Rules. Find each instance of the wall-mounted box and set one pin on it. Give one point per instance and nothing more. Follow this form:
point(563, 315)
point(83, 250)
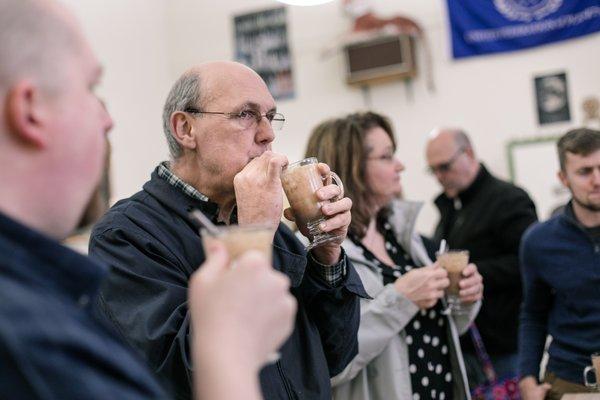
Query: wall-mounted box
point(380, 59)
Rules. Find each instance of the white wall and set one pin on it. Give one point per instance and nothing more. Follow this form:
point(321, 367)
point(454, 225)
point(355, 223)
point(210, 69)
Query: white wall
point(491, 97)
point(131, 40)
point(145, 45)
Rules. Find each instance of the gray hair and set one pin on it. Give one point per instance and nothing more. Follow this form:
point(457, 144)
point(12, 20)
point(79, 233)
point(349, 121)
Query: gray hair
point(34, 35)
point(185, 93)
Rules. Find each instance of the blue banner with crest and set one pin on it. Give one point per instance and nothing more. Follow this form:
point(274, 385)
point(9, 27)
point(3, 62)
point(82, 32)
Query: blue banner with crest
point(496, 26)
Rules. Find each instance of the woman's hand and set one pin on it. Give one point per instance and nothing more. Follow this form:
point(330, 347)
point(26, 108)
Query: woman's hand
point(471, 285)
point(423, 286)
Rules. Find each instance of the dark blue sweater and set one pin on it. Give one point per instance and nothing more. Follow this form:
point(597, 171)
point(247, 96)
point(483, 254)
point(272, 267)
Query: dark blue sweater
point(560, 264)
point(53, 345)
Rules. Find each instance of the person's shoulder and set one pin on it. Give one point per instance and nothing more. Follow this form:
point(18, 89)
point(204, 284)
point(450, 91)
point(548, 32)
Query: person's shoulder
point(506, 196)
point(540, 232)
point(46, 336)
point(507, 188)
point(131, 213)
point(140, 202)
point(34, 314)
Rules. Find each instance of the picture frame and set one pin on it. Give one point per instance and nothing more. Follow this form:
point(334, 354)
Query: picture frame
point(542, 184)
point(261, 43)
point(552, 98)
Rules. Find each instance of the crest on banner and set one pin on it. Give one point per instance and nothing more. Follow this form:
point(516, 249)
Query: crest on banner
point(527, 10)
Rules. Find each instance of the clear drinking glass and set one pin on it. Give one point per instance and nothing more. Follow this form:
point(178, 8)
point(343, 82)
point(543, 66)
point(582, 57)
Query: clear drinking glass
point(238, 240)
point(454, 262)
point(300, 182)
point(596, 368)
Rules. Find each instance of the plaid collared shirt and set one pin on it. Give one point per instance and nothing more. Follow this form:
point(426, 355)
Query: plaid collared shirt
point(332, 274)
point(165, 173)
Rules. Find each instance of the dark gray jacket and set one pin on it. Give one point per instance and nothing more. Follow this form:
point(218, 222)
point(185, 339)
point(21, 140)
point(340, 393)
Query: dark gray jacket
point(153, 248)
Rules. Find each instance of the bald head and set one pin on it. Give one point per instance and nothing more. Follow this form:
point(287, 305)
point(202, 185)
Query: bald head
point(202, 85)
point(52, 126)
point(451, 158)
point(454, 137)
point(36, 35)
point(222, 78)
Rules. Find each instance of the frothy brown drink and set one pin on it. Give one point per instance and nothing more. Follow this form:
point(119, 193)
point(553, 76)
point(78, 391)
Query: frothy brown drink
point(596, 364)
point(300, 184)
point(240, 239)
point(454, 262)
point(300, 181)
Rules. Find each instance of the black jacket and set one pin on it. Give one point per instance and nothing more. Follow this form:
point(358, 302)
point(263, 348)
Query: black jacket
point(153, 248)
point(489, 219)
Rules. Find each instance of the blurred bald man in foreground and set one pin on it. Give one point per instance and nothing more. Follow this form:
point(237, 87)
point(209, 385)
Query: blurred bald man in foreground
point(52, 144)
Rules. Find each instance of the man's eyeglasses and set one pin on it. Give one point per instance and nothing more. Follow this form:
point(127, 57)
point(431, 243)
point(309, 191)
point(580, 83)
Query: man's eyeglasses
point(247, 118)
point(445, 166)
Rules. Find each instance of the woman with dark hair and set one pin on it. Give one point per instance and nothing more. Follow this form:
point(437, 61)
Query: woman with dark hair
point(408, 341)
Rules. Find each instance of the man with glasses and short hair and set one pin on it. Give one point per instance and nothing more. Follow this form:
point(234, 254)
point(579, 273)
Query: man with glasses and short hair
point(487, 216)
point(219, 120)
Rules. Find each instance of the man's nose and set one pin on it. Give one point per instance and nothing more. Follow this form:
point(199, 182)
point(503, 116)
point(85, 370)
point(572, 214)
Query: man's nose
point(265, 133)
point(596, 176)
point(107, 121)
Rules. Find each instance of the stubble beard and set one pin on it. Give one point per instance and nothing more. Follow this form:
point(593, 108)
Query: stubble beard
point(586, 205)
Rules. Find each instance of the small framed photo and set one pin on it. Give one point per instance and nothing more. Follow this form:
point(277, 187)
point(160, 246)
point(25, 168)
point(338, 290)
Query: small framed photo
point(552, 98)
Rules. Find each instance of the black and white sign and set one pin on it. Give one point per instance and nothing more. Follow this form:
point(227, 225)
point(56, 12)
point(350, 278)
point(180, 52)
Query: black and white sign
point(261, 43)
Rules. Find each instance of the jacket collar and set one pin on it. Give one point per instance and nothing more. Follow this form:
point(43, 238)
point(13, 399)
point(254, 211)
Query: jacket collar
point(469, 193)
point(569, 217)
point(177, 200)
point(42, 261)
point(402, 218)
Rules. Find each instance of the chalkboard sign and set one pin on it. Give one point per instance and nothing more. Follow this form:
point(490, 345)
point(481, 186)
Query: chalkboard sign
point(261, 43)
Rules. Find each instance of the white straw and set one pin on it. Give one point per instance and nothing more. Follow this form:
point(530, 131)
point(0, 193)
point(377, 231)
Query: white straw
point(442, 246)
point(205, 222)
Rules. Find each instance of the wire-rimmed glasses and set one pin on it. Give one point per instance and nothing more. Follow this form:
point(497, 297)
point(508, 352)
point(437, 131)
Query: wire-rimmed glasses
point(247, 118)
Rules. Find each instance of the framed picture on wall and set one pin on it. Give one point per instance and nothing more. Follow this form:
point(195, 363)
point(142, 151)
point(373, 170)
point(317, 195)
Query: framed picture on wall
point(524, 159)
point(261, 43)
point(552, 98)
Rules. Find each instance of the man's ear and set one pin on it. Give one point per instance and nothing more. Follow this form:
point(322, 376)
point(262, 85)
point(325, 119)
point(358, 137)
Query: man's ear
point(25, 114)
point(562, 176)
point(183, 130)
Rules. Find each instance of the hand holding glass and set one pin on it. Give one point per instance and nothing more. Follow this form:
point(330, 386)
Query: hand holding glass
point(454, 261)
point(300, 181)
point(238, 240)
point(596, 368)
